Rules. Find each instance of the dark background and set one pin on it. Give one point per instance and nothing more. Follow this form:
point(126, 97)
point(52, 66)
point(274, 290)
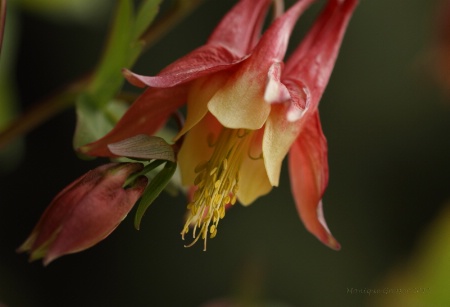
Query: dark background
point(387, 124)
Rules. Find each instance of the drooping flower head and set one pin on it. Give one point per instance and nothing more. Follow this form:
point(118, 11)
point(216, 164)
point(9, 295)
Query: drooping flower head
point(246, 110)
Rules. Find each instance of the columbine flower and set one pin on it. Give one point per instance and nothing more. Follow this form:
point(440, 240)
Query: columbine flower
point(85, 212)
point(245, 111)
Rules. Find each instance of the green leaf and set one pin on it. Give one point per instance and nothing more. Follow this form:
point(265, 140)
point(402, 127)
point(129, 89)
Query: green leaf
point(94, 122)
point(94, 107)
point(145, 16)
point(147, 171)
point(154, 188)
point(108, 78)
point(145, 147)
point(123, 47)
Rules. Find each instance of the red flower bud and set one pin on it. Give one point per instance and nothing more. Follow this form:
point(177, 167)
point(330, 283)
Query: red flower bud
point(85, 212)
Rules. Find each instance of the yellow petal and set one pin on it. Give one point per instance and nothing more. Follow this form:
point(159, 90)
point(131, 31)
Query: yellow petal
point(200, 92)
point(195, 149)
point(253, 180)
point(240, 102)
point(279, 134)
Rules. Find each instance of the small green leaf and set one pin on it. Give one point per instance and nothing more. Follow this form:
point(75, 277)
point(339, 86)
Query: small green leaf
point(153, 189)
point(93, 122)
point(145, 147)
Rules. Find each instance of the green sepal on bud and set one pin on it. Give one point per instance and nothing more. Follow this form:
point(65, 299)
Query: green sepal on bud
point(154, 188)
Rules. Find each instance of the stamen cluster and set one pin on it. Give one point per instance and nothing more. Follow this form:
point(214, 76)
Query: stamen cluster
point(217, 183)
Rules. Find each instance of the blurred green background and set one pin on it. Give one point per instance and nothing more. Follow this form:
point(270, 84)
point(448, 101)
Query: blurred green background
point(387, 124)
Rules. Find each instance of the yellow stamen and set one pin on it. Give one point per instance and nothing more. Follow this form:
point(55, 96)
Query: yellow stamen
point(217, 183)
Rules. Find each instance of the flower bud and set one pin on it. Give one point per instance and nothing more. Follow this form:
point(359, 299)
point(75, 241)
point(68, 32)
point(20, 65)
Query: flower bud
point(85, 212)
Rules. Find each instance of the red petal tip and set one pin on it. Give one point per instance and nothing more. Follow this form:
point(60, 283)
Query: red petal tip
point(133, 78)
point(332, 243)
